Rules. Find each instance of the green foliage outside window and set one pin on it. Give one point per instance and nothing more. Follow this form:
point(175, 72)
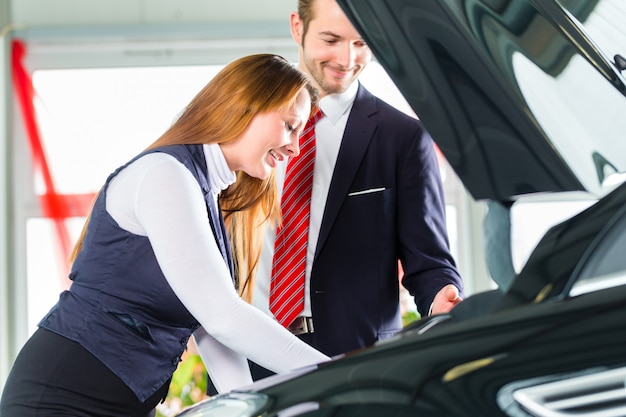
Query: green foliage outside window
point(409, 317)
point(188, 386)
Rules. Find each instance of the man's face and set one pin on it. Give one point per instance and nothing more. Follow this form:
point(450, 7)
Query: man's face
point(332, 52)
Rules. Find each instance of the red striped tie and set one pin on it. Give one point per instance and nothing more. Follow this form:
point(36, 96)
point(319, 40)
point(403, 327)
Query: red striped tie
point(287, 283)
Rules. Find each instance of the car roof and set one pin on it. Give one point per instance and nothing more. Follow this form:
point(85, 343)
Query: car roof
point(516, 94)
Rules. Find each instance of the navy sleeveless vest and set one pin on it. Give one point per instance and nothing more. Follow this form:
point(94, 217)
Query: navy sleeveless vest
point(120, 306)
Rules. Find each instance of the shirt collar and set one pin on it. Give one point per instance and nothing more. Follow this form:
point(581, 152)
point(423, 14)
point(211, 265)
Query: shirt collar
point(220, 175)
point(336, 105)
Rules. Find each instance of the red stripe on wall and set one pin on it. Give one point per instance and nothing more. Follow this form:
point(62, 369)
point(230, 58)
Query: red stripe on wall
point(54, 206)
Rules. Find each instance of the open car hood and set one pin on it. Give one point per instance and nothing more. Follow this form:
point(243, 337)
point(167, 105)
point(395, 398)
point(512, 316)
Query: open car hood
point(515, 93)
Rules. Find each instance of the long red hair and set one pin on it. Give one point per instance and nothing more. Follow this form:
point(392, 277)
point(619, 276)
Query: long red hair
point(220, 113)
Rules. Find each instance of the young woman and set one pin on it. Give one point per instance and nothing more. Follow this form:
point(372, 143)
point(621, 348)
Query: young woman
point(156, 262)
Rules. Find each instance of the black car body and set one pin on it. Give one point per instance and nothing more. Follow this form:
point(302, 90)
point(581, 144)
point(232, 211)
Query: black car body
point(521, 100)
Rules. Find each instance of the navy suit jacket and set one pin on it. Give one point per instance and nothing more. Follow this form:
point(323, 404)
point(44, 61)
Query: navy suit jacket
point(385, 203)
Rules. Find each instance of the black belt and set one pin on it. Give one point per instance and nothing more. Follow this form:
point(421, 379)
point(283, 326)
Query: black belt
point(301, 325)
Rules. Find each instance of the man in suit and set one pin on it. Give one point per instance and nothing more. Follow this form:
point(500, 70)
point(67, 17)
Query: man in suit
point(377, 198)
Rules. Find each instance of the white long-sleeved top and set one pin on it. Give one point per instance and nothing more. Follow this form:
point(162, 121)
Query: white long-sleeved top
point(156, 196)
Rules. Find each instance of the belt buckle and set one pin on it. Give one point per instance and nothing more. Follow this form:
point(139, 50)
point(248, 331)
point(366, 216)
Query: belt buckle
point(301, 325)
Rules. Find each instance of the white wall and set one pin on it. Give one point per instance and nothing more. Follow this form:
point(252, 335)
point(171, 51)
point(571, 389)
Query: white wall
point(105, 12)
point(4, 183)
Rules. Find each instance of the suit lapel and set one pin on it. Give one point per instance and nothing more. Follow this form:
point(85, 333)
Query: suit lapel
point(358, 133)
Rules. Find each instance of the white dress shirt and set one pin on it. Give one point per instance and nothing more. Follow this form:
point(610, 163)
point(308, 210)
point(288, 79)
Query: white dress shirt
point(328, 134)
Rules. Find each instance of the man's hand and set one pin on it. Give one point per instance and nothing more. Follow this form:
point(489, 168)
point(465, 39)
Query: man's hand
point(446, 299)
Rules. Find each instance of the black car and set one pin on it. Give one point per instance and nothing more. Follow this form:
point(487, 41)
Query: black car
point(522, 97)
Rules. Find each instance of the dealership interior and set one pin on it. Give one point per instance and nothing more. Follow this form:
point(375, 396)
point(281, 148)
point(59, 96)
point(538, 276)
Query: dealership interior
point(87, 84)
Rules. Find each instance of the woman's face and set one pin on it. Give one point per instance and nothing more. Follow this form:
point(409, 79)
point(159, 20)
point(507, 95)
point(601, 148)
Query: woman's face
point(271, 137)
